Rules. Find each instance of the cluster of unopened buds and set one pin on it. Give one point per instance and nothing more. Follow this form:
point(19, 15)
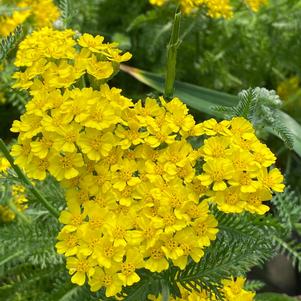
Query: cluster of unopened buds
point(137, 188)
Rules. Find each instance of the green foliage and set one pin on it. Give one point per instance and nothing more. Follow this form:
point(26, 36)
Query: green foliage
point(274, 297)
point(261, 107)
point(223, 260)
point(64, 6)
point(9, 43)
point(288, 208)
point(254, 285)
point(292, 249)
point(288, 213)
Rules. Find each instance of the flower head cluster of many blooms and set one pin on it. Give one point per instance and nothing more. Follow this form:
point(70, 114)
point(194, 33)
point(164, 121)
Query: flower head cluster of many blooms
point(43, 13)
point(233, 290)
point(137, 191)
point(215, 8)
point(18, 196)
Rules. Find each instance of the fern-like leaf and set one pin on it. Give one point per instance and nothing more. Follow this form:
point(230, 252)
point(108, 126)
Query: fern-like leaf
point(65, 8)
point(223, 260)
point(292, 249)
point(288, 208)
point(7, 44)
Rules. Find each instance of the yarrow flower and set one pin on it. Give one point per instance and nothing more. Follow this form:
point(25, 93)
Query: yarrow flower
point(233, 290)
point(137, 191)
point(215, 8)
point(43, 13)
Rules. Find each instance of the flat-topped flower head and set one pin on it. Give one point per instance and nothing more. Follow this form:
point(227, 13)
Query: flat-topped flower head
point(58, 60)
point(137, 190)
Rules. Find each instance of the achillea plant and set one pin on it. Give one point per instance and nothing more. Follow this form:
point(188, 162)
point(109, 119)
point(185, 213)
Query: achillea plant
point(139, 193)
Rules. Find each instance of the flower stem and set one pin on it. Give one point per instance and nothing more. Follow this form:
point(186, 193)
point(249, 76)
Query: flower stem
point(172, 49)
point(27, 183)
point(165, 292)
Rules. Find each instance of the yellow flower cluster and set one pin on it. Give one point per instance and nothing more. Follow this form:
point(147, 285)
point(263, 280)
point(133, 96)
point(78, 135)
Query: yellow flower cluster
point(233, 290)
point(18, 200)
point(137, 191)
point(43, 13)
point(215, 8)
point(236, 167)
point(54, 60)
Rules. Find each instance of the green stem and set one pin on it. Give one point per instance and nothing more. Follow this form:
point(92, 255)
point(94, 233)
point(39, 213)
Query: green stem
point(27, 182)
point(165, 292)
point(172, 49)
point(5, 260)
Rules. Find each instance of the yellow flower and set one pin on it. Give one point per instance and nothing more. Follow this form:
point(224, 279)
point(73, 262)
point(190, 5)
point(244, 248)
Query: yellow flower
point(272, 179)
point(68, 243)
point(37, 169)
point(125, 174)
point(4, 165)
point(233, 290)
point(216, 172)
point(212, 127)
point(94, 44)
point(22, 153)
point(156, 260)
point(132, 135)
point(108, 278)
point(230, 200)
point(41, 146)
point(107, 254)
point(65, 166)
point(80, 267)
point(128, 268)
point(99, 69)
point(262, 155)
point(171, 247)
point(73, 218)
point(188, 242)
point(254, 201)
point(117, 228)
point(205, 228)
point(215, 147)
point(66, 138)
point(177, 116)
